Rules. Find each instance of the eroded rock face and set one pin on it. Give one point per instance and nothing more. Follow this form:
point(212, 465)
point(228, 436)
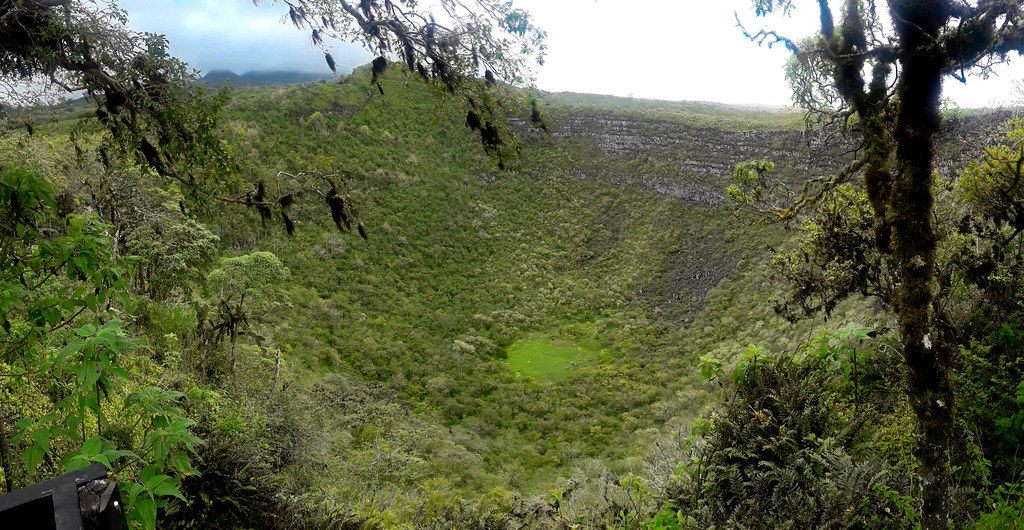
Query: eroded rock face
point(963, 139)
point(704, 158)
point(695, 164)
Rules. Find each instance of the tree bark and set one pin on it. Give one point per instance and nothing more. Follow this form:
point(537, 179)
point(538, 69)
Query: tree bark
point(911, 203)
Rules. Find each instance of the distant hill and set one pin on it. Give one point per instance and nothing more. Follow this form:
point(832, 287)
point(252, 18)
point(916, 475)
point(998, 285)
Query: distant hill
point(219, 77)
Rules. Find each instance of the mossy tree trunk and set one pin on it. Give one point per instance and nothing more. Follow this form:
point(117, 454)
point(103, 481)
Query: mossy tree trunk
point(918, 43)
point(898, 176)
point(911, 203)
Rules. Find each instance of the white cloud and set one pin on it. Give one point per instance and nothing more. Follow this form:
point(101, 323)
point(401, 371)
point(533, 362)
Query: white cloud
point(690, 50)
point(235, 35)
point(666, 49)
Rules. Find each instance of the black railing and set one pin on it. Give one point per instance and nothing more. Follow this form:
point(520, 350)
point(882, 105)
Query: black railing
point(82, 500)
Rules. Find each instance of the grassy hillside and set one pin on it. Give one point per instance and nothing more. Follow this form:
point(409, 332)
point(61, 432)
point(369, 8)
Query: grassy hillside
point(500, 334)
point(465, 263)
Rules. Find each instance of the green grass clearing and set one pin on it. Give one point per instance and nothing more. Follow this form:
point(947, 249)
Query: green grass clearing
point(548, 359)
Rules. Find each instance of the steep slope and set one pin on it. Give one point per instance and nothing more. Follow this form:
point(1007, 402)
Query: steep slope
point(463, 261)
point(501, 334)
point(612, 233)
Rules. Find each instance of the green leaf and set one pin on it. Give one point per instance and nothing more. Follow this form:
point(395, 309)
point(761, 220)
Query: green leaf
point(102, 459)
point(160, 451)
point(145, 506)
point(134, 489)
point(86, 330)
point(42, 439)
point(92, 446)
point(74, 346)
point(149, 472)
point(33, 456)
point(76, 462)
point(116, 454)
point(153, 483)
point(118, 371)
point(168, 489)
point(179, 462)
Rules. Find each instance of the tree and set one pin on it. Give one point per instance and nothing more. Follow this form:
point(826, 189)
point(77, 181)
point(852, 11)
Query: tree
point(242, 290)
point(879, 70)
point(144, 97)
point(62, 275)
point(62, 289)
point(489, 38)
point(156, 114)
point(492, 39)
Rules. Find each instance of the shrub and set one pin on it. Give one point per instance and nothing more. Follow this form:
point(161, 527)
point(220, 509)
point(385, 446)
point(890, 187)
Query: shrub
point(788, 450)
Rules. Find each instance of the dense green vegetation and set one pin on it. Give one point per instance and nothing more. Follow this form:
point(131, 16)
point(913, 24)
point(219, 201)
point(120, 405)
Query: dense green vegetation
point(505, 347)
point(462, 262)
point(421, 297)
point(428, 318)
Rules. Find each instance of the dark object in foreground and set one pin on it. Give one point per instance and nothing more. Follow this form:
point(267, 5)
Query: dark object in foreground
point(82, 500)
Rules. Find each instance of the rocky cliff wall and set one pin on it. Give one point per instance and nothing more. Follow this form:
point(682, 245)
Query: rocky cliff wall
point(694, 165)
point(703, 158)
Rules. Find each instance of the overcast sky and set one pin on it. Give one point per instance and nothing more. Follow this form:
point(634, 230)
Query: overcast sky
point(664, 49)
